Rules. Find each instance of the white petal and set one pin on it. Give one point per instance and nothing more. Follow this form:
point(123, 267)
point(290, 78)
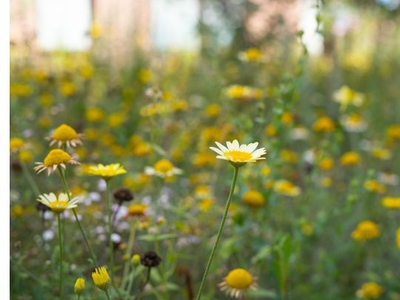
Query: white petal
point(251, 147)
point(222, 147)
point(217, 150)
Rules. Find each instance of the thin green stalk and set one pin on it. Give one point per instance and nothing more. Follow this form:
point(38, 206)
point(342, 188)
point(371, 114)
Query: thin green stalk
point(109, 225)
point(221, 227)
point(131, 240)
point(66, 190)
point(108, 294)
point(61, 254)
point(29, 178)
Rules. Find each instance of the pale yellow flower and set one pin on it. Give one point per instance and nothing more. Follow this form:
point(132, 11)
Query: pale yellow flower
point(59, 203)
point(106, 171)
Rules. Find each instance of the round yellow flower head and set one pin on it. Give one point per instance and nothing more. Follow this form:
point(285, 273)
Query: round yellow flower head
point(366, 230)
point(79, 286)
point(253, 199)
point(101, 278)
point(65, 134)
point(16, 144)
point(137, 210)
point(55, 158)
point(370, 290)
point(350, 159)
point(106, 171)
point(237, 282)
point(324, 124)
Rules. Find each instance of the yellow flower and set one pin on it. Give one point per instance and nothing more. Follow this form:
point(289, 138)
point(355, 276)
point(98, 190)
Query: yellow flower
point(287, 118)
point(137, 210)
point(106, 171)
point(286, 188)
point(25, 156)
point(326, 164)
point(381, 153)
point(391, 202)
point(366, 230)
point(46, 99)
point(205, 204)
point(116, 119)
point(393, 132)
point(289, 156)
point(79, 286)
point(16, 144)
point(142, 149)
point(253, 199)
point(86, 71)
point(375, 186)
point(58, 204)
point(20, 89)
point(55, 158)
point(370, 290)
point(144, 75)
point(65, 134)
point(353, 123)
point(203, 159)
point(238, 155)
point(251, 55)
point(324, 124)
point(101, 278)
point(270, 130)
point(346, 96)
point(350, 159)
point(94, 115)
point(95, 30)
point(213, 110)
point(237, 282)
point(163, 168)
point(67, 88)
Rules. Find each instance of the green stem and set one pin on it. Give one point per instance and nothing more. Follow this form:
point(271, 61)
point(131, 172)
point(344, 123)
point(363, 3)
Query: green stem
point(66, 191)
point(108, 294)
point(29, 178)
point(221, 227)
point(109, 225)
point(61, 254)
point(129, 252)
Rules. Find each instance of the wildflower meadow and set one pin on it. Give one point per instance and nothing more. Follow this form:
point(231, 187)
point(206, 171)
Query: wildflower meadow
point(252, 169)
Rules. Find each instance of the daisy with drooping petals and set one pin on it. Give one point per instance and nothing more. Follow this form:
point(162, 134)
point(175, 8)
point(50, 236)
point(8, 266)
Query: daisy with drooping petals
point(237, 282)
point(65, 134)
point(59, 203)
point(163, 168)
point(238, 155)
point(55, 158)
point(106, 171)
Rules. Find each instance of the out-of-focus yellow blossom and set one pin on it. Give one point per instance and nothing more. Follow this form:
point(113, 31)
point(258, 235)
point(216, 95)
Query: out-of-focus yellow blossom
point(306, 228)
point(326, 181)
point(41, 75)
point(91, 134)
point(286, 188)
point(203, 159)
point(44, 122)
point(375, 186)
point(137, 182)
point(324, 124)
point(253, 199)
point(107, 139)
point(20, 89)
point(95, 30)
point(251, 55)
point(289, 156)
point(345, 96)
point(270, 130)
point(381, 153)
point(350, 159)
point(393, 132)
point(25, 156)
point(163, 168)
point(46, 99)
point(94, 115)
point(87, 71)
point(117, 150)
point(202, 191)
point(116, 119)
point(137, 210)
point(67, 88)
point(142, 149)
point(144, 75)
point(326, 164)
point(287, 118)
point(370, 291)
point(366, 230)
point(213, 110)
point(205, 204)
point(359, 61)
point(79, 286)
point(391, 202)
point(353, 123)
point(243, 92)
point(16, 144)
point(17, 211)
point(265, 171)
point(179, 105)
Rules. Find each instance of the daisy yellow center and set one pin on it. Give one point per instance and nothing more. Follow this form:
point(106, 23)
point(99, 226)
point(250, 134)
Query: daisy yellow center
point(65, 133)
point(16, 143)
point(163, 166)
point(239, 279)
point(58, 206)
point(235, 155)
point(56, 157)
point(137, 210)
